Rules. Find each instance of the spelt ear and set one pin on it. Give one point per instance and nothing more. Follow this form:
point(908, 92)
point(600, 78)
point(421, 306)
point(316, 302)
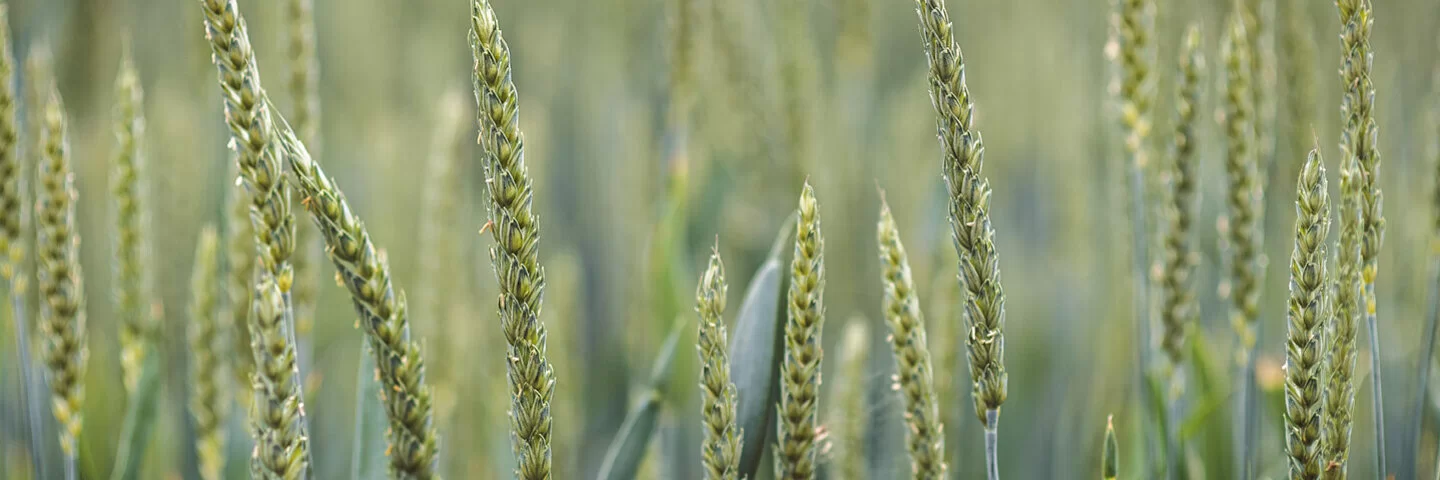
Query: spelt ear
point(797, 443)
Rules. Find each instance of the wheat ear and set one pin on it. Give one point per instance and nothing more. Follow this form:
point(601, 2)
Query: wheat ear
point(277, 412)
point(796, 444)
point(1360, 140)
point(516, 231)
point(132, 281)
point(1304, 344)
point(14, 245)
point(413, 443)
point(852, 410)
point(209, 397)
point(925, 437)
point(721, 449)
point(62, 306)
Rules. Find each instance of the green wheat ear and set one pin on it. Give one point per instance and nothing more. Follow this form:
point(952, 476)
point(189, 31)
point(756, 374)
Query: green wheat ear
point(1304, 346)
point(796, 448)
point(209, 398)
point(134, 300)
point(851, 406)
point(62, 307)
point(721, 448)
point(516, 232)
point(925, 437)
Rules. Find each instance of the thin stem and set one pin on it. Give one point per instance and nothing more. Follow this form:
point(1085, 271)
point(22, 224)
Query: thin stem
point(992, 444)
point(1141, 301)
point(1377, 399)
point(1172, 425)
point(1422, 384)
point(28, 391)
point(71, 467)
point(1251, 407)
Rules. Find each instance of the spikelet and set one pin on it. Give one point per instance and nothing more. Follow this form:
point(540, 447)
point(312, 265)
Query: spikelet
point(796, 447)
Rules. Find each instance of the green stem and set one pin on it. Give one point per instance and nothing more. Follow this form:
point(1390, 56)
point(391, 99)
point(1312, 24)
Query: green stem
point(1422, 384)
point(30, 389)
point(139, 420)
point(992, 444)
point(1375, 388)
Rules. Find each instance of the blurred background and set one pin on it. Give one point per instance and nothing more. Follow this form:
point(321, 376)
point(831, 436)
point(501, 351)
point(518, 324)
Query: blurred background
point(645, 155)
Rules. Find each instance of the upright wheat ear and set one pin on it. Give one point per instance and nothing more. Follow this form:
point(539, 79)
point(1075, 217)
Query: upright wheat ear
point(209, 397)
point(134, 298)
point(1304, 348)
point(800, 371)
point(1360, 141)
point(516, 231)
point(62, 292)
point(925, 437)
point(721, 450)
point(964, 156)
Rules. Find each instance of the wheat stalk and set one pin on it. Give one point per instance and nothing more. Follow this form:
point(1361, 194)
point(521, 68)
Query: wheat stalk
point(796, 444)
point(721, 448)
point(852, 408)
point(1360, 140)
point(925, 437)
point(209, 398)
point(969, 209)
point(1304, 345)
point(515, 256)
point(304, 89)
point(62, 309)
point(133, 287)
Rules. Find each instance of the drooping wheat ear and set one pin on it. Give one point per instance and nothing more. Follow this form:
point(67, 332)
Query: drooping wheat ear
point(133, 286)
point(964, 153)
point(925, 437)
point(1110, 458)
point(852, 407)
point(62, 305)
point(413, 443)
point(721, 448)
point(1178, 309)
point(304, 89)
point(800, 371)
point(1344, 328)
point(277, 412)
point(516, 230)
point(1304, 344)
point(209, 398)
point(1132, 51)
point(239, 275)
point(1360, 140)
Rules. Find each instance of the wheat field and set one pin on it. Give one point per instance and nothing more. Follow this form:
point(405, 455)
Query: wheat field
point(675, 239)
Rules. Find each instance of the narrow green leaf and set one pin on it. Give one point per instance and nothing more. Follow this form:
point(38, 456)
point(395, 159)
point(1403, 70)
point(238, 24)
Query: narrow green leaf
point(755, 353)
point(139, 421)
point(367, 455)
point(627, 450)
